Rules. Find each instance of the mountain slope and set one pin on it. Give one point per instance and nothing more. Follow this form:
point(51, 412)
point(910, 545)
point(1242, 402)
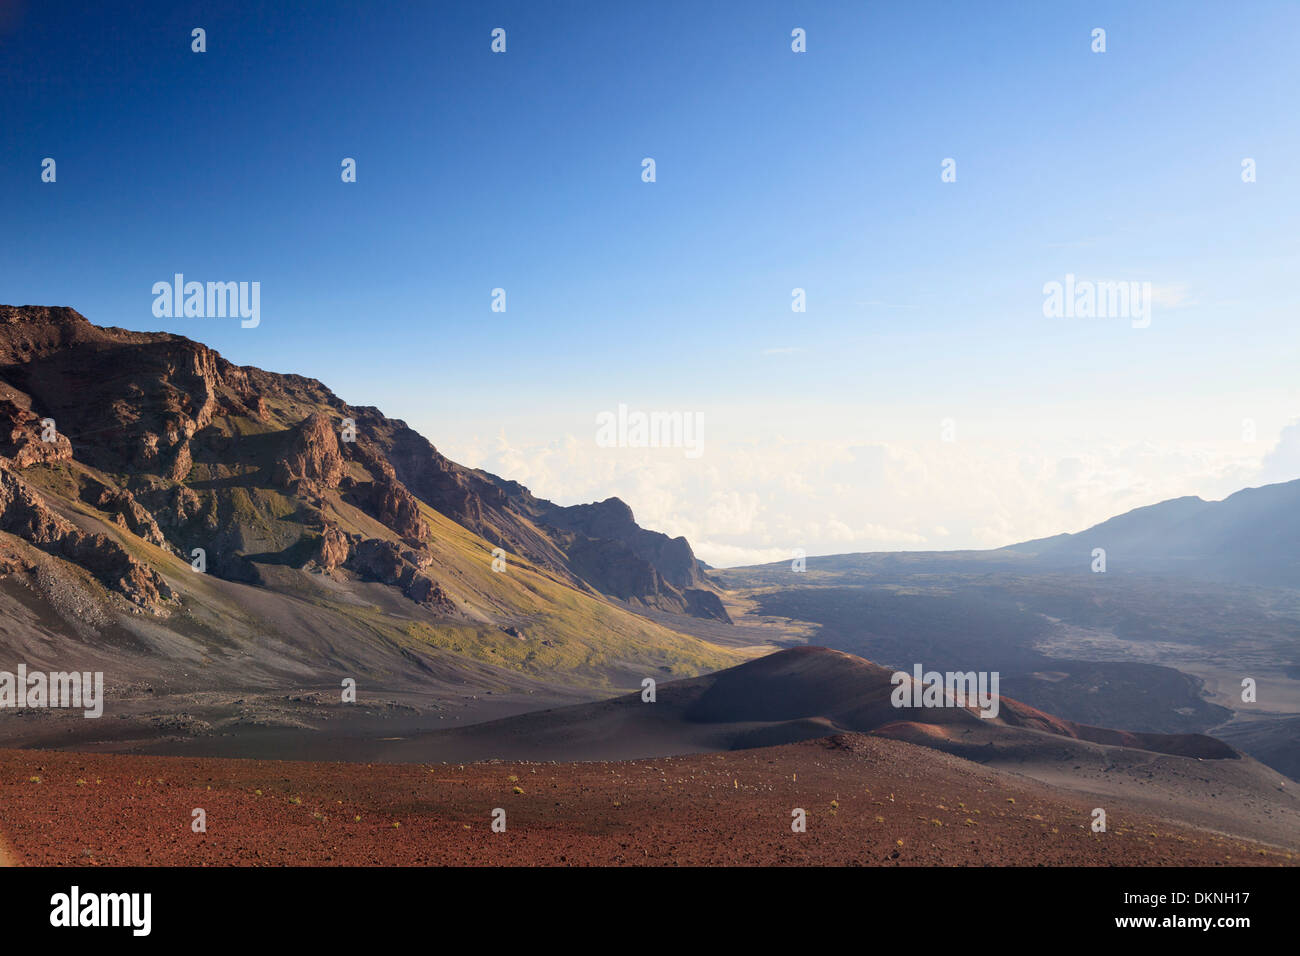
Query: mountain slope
point(334, 542)
point(159, 410)
point(1251, 536)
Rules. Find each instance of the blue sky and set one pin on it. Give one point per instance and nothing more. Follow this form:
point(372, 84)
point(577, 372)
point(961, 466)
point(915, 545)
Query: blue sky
point(774, 170)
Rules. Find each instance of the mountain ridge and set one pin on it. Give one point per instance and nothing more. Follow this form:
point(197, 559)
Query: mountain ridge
point(334, 542)
point(1249, 536)
point(189, 384)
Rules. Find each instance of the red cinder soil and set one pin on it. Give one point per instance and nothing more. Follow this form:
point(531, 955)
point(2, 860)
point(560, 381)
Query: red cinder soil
point(869, 801)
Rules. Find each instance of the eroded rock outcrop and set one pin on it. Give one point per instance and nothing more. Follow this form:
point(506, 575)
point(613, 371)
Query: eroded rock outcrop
point(25, 514)
point(23, 436)
point(386, 498)
point(312, 461)
point(396, 507)
point(383, 561)
point(128, 401)
point(127, 512)
point(331, 550)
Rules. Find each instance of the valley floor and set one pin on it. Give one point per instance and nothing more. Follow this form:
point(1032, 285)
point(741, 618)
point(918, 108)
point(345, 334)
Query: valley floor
point(869, 801)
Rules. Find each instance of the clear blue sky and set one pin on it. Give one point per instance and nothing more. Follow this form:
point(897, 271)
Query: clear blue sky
point(775, 170)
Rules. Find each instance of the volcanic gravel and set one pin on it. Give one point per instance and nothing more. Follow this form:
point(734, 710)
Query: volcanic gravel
point(868, 801)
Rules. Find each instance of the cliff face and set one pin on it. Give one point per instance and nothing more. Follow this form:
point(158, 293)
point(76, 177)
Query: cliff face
point(27, 515)
point(621, 558)
point(172, 444)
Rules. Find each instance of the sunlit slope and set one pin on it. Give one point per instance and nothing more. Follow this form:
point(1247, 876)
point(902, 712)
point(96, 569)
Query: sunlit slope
point(197, 524)
point(299, 625)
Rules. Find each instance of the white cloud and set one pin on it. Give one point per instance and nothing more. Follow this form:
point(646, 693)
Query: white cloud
point(750, 502)
point(1282, 463)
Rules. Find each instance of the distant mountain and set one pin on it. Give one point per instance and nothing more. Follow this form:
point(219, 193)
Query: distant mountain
point(338, 538)
point(1197, 596)
point(1252, 536)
